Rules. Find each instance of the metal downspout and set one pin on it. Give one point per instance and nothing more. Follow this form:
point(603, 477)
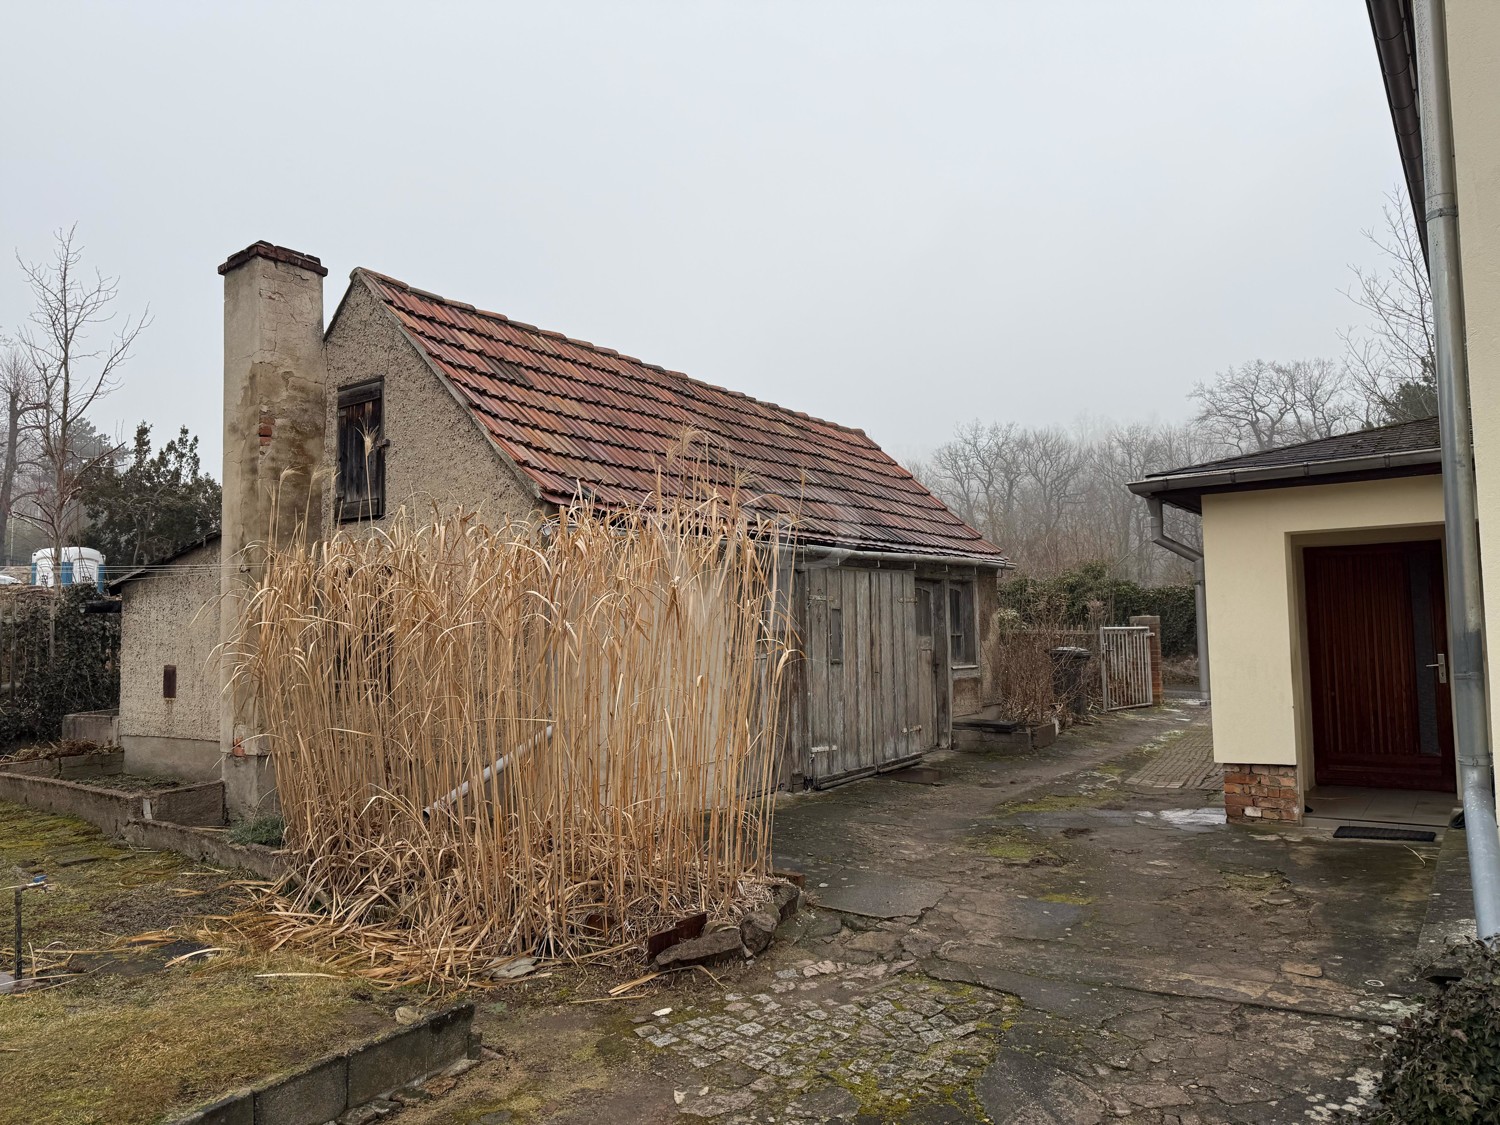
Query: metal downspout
point(1465, 588)
point(1160, 537)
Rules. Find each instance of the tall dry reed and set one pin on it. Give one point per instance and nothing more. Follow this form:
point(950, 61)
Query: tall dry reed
point(541, 738)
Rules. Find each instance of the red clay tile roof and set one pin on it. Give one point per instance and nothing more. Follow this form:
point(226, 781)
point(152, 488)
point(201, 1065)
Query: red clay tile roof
point(575, 417)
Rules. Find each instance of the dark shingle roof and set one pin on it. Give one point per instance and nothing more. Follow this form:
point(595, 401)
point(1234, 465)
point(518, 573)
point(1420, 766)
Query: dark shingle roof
point(1399, 437)
point(576, 418)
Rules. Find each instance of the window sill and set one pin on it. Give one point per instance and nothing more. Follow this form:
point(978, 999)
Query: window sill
point(966, 671)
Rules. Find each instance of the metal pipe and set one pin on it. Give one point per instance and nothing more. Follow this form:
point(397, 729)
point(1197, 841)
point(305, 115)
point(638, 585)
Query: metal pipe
point(1465, 589)
point(1160, 537)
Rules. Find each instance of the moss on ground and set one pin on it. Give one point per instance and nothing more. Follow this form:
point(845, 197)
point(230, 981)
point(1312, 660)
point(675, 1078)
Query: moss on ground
point(1066, 899)
point(1058, 802)
point(125, 1050)
point(131, 1039)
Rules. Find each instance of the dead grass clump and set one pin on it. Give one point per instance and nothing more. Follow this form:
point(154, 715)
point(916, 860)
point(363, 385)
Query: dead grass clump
point(537, 739)
point(1025, 675)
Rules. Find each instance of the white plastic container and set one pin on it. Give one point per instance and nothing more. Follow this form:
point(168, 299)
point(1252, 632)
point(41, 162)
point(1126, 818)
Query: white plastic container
point(81, 566)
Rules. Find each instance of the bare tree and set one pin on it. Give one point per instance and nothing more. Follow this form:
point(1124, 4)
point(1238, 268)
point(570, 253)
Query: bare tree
point(1261, 405)
point(15, 401)
point(1392, 361)
point(68, 377)
point(1054, 499)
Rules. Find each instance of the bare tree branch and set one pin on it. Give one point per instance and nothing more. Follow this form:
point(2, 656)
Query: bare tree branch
point(68, 375)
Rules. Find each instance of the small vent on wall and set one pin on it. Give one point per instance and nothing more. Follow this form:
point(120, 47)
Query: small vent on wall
point(169, 681)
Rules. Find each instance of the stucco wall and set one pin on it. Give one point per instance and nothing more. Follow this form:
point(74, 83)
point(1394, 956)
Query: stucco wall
point(171, 618)
point(437, 454)
point(1473, 47)
point(1252, 560)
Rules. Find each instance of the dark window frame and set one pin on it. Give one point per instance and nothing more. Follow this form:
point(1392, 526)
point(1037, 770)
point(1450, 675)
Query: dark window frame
point(365, 500)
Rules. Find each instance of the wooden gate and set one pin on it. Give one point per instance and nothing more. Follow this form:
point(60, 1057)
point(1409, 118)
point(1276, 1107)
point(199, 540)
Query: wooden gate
point(1125, 666)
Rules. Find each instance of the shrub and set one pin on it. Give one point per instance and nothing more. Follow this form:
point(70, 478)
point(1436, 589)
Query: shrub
point(1445, 1062)
point(54, 660)
point(1087, 597)
point(267, 830)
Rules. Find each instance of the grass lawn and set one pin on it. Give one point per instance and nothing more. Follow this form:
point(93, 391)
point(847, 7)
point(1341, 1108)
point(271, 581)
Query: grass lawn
point(131, 1039)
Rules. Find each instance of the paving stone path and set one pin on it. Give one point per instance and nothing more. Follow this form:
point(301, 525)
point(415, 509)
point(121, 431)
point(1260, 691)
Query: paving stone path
point(1186, 762)
point(829, 1039)
point(1037, 940)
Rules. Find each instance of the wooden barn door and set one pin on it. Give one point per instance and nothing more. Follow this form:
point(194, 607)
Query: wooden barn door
point(1377, 640)
point(865, 670)
point(931, 675)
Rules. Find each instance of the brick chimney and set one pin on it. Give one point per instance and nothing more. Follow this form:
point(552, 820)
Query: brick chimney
point(275, 413)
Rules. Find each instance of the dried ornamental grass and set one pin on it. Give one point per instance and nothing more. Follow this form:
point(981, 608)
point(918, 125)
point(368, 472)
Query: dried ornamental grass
point(549, 738)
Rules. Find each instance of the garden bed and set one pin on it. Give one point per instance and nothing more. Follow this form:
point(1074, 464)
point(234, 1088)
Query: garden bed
point(128, 1036)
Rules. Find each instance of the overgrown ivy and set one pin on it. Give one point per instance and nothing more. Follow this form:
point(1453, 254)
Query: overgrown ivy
point(1444, 1064)
point(55, 659)
point(1088, 596)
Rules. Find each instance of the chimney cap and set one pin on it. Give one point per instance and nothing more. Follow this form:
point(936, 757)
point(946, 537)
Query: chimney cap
point(271, 252)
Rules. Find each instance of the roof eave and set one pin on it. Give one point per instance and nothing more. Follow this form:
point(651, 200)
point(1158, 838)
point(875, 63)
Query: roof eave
point(1181, 489)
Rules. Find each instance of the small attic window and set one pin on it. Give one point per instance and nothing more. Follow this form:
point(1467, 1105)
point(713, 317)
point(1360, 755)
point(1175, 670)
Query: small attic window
point(360, 490)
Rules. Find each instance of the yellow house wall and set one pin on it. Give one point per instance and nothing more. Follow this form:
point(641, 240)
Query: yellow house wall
point(1473, 48)
point(1252, 563)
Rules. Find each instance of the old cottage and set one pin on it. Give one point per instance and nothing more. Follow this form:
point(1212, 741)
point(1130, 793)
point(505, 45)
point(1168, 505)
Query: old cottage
point(412, 400)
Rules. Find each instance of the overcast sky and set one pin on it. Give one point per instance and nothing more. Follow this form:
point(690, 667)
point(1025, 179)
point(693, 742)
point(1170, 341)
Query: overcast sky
point(896, 216)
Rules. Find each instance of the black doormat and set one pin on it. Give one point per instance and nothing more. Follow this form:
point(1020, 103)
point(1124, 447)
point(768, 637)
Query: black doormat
point(1358, 832)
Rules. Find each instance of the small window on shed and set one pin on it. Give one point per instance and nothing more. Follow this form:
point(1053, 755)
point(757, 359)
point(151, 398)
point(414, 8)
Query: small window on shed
point(360, 491)
point(835, 636)
point(961, 628)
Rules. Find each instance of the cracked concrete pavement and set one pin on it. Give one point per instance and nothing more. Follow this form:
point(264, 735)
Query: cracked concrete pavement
point(1029, 941)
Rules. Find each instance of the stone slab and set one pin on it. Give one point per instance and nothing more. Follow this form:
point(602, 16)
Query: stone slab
point(1019, 1089)
point(872, 894)
point(310, 1097)
point(399, 1058)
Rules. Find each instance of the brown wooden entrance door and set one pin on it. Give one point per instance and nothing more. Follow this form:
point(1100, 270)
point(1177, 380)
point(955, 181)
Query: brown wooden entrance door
point(1377, 639)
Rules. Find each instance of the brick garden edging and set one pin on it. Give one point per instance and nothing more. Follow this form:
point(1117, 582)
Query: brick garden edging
point(1254, 793)
point(329, 1088)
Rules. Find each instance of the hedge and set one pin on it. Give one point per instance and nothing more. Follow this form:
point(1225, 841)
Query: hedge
point(1087, 597)
point(54, 660)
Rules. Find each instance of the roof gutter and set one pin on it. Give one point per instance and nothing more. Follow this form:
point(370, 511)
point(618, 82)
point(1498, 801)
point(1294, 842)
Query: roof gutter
point(1391, 21)
point(1465, 587)
point(1160, 537)
point(1300, 470)
point(844, 554)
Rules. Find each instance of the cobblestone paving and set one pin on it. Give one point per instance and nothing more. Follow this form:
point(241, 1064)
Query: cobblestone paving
point(827, 1039)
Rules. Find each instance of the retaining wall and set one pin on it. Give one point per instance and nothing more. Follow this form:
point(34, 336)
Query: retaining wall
point(330, 1087)
point(205, 846)
point(110, 810)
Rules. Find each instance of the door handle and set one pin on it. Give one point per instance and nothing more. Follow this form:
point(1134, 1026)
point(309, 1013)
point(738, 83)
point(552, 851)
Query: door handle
point(1442, 667)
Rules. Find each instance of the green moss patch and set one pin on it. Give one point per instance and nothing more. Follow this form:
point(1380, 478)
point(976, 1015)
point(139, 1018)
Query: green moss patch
point(132, 1036)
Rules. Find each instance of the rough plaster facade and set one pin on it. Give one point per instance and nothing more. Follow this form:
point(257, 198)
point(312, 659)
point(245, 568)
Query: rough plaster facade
point(172, 619)
point(437, 455)
point(1253, 543)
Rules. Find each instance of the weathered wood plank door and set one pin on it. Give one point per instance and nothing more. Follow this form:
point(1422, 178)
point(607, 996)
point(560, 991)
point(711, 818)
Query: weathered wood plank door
point(931, 674)
point(866, 672)
point(1377, 639)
